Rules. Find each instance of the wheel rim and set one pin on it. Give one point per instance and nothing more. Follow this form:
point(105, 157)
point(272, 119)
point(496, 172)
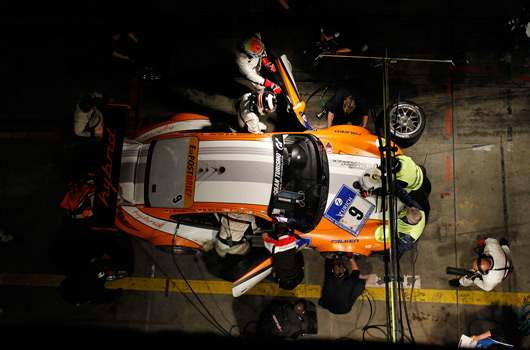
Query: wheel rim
point(405, 120)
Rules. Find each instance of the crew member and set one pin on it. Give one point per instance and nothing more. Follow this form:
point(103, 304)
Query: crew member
point(231, 238)
point(345, 107)
point(251, 106)
point(407, 173)
point(287, 261)
point(341, 288)
point(250, 57)
point(282, 319)
point(88, 119)
point(491, 267)
point(411, 222)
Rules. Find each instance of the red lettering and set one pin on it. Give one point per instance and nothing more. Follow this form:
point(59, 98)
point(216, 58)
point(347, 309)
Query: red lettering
point(107, 168)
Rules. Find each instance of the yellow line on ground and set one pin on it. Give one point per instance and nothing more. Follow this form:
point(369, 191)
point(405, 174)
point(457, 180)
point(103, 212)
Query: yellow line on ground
point(469, 297)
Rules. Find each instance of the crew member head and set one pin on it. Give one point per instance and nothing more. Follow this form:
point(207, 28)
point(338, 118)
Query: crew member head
point(86, 103)
point(300, 305)
point(266, 102)
point(482, 264)
point(413, 215)
point(253, 46)
point(338, 268)
point(349, 105)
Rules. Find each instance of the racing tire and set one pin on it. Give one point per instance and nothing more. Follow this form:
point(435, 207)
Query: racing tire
point(179, 249)
point(407, 122)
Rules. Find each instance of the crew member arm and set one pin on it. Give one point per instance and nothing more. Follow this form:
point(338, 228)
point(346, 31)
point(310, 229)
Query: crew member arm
point(331, 116)
point(365, 120)
point(80, 123)
point(406, 198)
point(250, 68)
point(253, 125)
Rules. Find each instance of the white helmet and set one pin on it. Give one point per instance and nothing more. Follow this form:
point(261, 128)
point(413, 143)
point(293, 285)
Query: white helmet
point(266, 102)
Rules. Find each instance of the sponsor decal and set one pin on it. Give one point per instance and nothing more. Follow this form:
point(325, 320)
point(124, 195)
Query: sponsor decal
point(146, 219)
point(107, 168)
point(329, 148)
point(157, 132)
point(345, 241)
point(349, 211)
point(278, 164)
point(347, 132)
point(191, 171)
point(352, 164)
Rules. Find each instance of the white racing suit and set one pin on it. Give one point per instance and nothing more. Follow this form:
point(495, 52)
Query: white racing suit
point(247, 116)
point(250, 67)
point(501, 266)
point(87, 124)
point(231, 237)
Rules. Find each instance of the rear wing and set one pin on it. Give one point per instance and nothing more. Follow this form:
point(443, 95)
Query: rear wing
point(284, 77)
point(108, 171)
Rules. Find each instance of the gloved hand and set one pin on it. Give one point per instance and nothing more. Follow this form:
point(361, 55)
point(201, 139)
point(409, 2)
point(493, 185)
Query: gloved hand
point(262, 126)
point(274, 87)
point(268, 64)
point(476, 275)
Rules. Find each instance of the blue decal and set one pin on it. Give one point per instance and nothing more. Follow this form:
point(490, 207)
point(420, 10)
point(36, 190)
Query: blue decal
point(349, 210)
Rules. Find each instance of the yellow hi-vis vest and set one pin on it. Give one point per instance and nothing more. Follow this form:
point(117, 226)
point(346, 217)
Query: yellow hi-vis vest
point(382, 233)
point(414, 231)
point(409, 173)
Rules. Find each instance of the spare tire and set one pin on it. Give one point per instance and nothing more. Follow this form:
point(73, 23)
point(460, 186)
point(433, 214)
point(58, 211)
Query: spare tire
point(407, 122)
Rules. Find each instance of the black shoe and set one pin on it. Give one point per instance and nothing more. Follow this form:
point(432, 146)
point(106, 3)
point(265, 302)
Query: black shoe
point(455, 283)
point(504, 242)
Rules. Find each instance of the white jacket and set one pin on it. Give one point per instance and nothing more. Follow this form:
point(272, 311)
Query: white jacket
point(93, 119)
point(247, 117)
point(502, 261)
point(250, 67)
point(234, 226)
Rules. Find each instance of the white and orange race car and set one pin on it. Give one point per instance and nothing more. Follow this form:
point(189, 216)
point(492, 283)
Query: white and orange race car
point(170, 183)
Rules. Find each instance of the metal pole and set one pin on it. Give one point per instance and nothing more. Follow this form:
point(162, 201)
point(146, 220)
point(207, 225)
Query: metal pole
point(392, 280)
point(392, 59)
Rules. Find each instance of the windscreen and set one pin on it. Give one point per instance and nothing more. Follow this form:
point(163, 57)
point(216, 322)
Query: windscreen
point(300, 183)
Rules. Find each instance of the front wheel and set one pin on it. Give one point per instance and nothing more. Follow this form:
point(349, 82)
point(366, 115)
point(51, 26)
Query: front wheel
point(407, 122)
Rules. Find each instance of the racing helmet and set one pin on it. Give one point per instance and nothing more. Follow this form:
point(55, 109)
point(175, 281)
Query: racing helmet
point(253, 46)
point(266, 102)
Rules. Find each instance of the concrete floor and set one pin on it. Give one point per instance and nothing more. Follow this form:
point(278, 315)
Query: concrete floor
point(474, 149)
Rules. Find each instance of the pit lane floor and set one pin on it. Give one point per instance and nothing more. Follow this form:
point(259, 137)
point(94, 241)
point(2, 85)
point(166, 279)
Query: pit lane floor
point(474, 149)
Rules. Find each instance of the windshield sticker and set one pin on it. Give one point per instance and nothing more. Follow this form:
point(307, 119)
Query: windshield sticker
point(349, 210)
point(191, 170)
point(277, 141)
point(351, 164)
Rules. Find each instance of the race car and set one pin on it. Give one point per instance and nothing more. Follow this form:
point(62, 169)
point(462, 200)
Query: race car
point(305, 179)
point(170, 183)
